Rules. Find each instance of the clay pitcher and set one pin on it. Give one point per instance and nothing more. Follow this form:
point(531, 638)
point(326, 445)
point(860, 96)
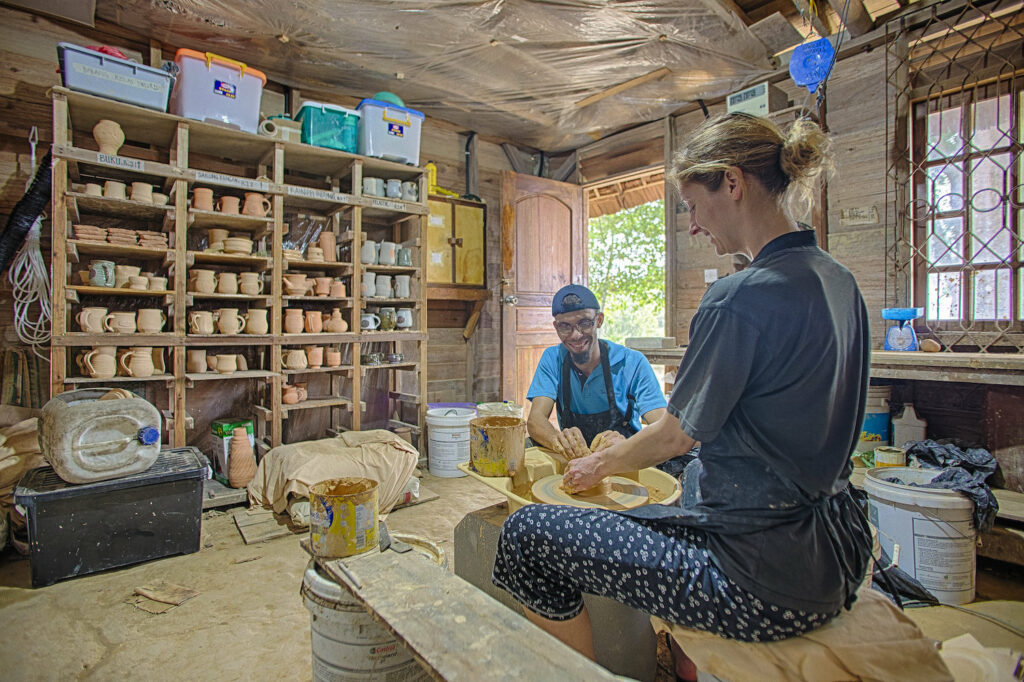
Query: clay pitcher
point(256, 321)
point(200, 322)
point(138, 362)
point(99, 365)
point(315, 356)
point(90, 319)
point(293, 320)
point(295, 359)
point(289, 394)
point(256, 204)
point(228, 321)
point(329, 243)
point(108, 136)
point(120, 322)
point(314, 322)
point(336, 324)
point(202, 281)
point(150, 320)
point(250, 283)
point(241, 461)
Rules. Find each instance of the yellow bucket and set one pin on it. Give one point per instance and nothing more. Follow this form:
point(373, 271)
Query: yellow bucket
point(343, 517)
point(497, 445)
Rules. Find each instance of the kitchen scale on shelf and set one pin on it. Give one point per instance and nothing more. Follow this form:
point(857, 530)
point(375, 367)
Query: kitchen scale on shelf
point(901, 336)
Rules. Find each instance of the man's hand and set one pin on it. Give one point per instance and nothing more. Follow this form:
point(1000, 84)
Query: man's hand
point(572, 444)
point(582, 474)
point(606, 439)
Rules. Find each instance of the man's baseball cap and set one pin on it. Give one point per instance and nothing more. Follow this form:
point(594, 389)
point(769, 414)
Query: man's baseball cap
point(573, 297)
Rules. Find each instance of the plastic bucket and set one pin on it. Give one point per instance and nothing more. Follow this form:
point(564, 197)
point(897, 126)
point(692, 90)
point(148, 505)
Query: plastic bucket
point(505, 409)
point(497, 445)
point(929, 533)
point(875, 429)
point(343, 516)
point(448, 440)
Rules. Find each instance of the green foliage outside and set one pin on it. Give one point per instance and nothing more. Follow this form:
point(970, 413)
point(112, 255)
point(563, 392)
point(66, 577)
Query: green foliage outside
point(627, 270)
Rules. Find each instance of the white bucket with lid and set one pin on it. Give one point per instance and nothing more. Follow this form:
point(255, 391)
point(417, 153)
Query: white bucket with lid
point(928, 532)
point(448, 440)
point(504, 409)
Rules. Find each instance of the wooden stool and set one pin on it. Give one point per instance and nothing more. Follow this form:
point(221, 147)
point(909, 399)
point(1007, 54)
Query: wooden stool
point(872, 641)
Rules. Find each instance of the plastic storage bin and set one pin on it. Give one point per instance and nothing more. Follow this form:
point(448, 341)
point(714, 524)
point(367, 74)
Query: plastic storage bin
point(217, 89)
point(96, 73)
point(328, 125)
point(80, 529)
point(389, 131)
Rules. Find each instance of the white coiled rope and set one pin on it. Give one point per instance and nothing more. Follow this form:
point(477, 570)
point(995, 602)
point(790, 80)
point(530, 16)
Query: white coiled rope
point(30, 280)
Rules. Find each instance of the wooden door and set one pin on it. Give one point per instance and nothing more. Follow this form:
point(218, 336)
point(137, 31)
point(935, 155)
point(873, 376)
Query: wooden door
point(542, 250)
point(439, 250)
point(469, 244)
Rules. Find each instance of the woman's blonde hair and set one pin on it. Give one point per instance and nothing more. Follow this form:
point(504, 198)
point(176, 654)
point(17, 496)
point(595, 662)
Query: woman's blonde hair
point(788, 165)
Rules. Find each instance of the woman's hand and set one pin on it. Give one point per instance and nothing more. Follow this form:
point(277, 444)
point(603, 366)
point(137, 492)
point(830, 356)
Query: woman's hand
point(582, 474)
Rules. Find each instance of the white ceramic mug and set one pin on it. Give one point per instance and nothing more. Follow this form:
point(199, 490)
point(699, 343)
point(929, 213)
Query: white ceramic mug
point(404, 318)
point(369, 321)
point(402, 286)
point(410, 191)
point(382, 286)
point(368, 253)
point(388, 253)
point(374, 186)
point(393, 188)
point(369, 288)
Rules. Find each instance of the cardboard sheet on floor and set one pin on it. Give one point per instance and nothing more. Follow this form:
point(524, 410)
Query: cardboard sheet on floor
point(160, 596)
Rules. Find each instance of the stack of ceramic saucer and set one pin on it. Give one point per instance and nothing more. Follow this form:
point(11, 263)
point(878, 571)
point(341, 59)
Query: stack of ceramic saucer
point(153, 240)
point(121, 237)
point(90, 233)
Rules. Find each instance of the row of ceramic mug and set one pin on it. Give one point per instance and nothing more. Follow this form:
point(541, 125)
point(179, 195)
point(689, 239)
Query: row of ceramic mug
point(228, 321)
point(311, 357)
point(381, 358)
point(198, 361)
point(105, 273)
point(298, 284)
point(393, 188)
point(376, 285)
point(104, 362)
point(384, 253)
point(388, 319)
point(209, 281)
point(255, 204)
point(141, 191)
point(97, 320)
point(298, 321)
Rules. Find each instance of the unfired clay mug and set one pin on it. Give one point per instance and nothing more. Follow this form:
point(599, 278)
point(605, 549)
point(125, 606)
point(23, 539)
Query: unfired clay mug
point(228, 205)
point(228, 321)
point(227, 283)
point(114, 190)
point(120, 322)
point(295, 359)
point(256, 204)
point(315, 356)
point(202, 281)
point(202, 199)
point(150, 320)
point(196, 360)
point(200, 321)
point(142, 191)
point(90, 320)
point(227, 364)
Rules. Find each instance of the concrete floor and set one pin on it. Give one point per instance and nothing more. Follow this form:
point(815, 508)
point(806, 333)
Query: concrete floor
point(248, 621)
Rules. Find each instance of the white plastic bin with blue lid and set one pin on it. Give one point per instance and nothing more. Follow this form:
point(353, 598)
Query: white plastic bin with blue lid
point(217, 89)
point(389, 131)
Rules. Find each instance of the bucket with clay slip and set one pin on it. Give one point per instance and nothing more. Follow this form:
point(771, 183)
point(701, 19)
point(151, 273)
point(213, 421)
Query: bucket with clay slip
point(928, 532)
point(448, 440)
point(497, 445)
point(875, 429)
point(343, 516)
point(503, 409)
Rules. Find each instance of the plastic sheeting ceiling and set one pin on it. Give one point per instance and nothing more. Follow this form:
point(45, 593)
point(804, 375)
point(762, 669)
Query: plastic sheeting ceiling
point(510, 68)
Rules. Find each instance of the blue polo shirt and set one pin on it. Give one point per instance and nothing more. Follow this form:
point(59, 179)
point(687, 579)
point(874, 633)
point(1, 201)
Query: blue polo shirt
point(632, 375)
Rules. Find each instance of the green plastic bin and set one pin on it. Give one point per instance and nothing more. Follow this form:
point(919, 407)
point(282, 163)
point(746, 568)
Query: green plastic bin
point(329, 125)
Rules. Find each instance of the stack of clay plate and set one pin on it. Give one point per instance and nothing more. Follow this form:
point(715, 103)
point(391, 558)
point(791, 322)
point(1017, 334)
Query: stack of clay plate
point(292, 254)
point(121, 237)
point(152, 240)
point(90, 233)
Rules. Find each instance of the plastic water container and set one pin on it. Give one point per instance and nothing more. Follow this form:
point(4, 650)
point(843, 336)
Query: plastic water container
point(875, 430)
point(908, 427)
point(217, 89)
point(929, 533)
point(448, 440)
point(389, 131)
point(329, 125)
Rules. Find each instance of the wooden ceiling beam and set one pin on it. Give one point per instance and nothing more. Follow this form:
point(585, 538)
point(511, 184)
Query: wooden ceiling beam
point(737, 10)
point(858, 21)
point(819, 19)
point(631, 83)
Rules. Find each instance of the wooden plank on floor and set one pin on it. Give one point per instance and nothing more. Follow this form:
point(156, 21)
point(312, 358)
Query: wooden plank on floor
point(452, 628)
point(259, 525)
point(216, 494)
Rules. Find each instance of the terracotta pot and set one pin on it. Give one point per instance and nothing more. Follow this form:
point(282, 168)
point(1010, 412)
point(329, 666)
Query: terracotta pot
point(228, 205)
point(314, 322)
point(323, 286)
point(301, 388)
point(108, 136)
point(293, 323)
point(256, 321)
point(238, 246)
point(315, 254)
point(124, 273)
point(295, 284)
point(256, 204)
point(295, 359)
point(329, 244)
point(336, 324)
point(289, 394)
point(202, 199)
point(337, 289)
point(241, 460)
point(333, 358)
point(315, 356)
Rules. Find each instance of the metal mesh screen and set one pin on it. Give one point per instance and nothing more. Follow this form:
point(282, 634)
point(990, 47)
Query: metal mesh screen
point(955, 242)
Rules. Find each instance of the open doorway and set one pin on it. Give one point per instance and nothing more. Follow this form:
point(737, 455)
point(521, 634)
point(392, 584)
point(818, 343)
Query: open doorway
point(626, 252)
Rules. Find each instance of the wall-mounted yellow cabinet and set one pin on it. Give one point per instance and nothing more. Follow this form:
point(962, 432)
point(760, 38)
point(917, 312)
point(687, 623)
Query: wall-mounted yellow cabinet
point(455, 242)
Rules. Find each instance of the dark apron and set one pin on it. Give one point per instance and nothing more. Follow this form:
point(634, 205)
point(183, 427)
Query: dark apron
point(592, 424)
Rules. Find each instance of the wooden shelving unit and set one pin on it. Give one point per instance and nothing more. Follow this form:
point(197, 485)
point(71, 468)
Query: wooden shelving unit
point(176, 155)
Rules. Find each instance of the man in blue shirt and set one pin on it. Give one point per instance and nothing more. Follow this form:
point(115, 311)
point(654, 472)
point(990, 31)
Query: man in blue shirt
point(598, 387)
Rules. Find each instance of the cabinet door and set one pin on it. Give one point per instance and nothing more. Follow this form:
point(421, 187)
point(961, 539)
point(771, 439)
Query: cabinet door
point(439, 251)
point(469, 253)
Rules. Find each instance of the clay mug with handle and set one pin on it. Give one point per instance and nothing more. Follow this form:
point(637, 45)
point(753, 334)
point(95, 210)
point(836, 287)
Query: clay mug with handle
point(228, 321)
point(99, 365)
point(228, 205)
point(202, 281)
point(200, 322)
point(150, 320)
point(256, 321)
point(138, 362)
point(388, 253)
point(90, 320)
point(256, 205)
point(120, 322)
point(250, 283)
point(368, 321)
point(101, 273)
point(295, 359)
point(227, 283)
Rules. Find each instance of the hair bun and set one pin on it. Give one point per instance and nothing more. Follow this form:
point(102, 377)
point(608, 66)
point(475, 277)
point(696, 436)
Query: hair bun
point(806, 152)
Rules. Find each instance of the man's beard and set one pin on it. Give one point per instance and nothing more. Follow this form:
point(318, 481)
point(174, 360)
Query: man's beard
point(580, 358)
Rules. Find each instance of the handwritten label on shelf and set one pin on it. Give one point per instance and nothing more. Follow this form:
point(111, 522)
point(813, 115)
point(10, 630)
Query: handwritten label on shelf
point(390, 205)
point(120, 162)
point(231, 181)
point(318, 194)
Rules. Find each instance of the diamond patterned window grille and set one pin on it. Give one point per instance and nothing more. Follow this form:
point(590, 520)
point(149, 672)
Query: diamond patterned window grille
point(955, 243)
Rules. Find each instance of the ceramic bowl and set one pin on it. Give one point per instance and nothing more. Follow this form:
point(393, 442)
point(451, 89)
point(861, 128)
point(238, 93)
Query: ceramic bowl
point(238, 245)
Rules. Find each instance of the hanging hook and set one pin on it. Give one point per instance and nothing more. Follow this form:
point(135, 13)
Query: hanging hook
point(33, 139)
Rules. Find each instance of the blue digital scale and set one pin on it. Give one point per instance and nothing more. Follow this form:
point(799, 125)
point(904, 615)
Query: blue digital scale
point(901, 336)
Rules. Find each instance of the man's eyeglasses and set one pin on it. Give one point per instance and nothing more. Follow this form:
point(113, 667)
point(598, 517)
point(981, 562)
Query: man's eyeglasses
point(585, 326)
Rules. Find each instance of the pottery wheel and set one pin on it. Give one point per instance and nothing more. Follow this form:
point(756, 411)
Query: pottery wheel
point(625, 494)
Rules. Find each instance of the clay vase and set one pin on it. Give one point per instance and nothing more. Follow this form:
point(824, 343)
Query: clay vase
point(289, 394)
point(295, 359)
point(242, 461)
point(108, 136)
point(293, 323)
point(336, 324)
point(329, 244)
point(315, 356)
point(332, 358)
point(323, 286)
point(256, 321)
point(314, 322)
point(337, 289)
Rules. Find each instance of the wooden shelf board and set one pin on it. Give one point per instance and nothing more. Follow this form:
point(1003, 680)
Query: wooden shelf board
point(321, 160)
point(228, 297)
point(314, 403)
point(393, 302)
point(111, 291)
point(206, 219)
point(398, 269)
point(86, 163)
point(229, 340)
point(260, 262)
point(217, 140)
point(319, 370)
point(321, 338)
point(117, 251)
point(244, 374)
point(75, 339)
point(139, 124)
point(456, 293)
point(343, 301)
point(120, 208)
point(392, 365)
point(383, 208)
point(335, 267)
point(118, 379)
point(372, 337)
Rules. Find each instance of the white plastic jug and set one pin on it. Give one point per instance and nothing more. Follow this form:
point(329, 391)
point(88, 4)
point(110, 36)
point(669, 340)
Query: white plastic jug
point(908, 426)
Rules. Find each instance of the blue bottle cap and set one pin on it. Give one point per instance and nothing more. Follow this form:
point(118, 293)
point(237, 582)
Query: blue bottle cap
point(149, 435)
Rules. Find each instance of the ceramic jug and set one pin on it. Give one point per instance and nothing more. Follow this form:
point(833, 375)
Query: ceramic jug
point(202, 281)
point(295, 359)
point(402, 288)
point(336, 324)
point(202, 199)
point(329, 244)
point(101, 273)
point(256, 204)
point(200, 322)
point(99, 365)
point(256, 321)
point(289, 394)
point(368, 252)
point(123, 273)
point(227, 283)
point(293, 322)
point(368, 321)
point(138, 361)
point(388, 253)
point(109, 136)
point(382, 286)
point(314, 322)
point(196, 359)
point(90, 320)
point(228, 205)
point(404, 320)
point(227, 364)
point(315, 356)
point(228, 321)
point(337, 289)
point(250, 284)
point(295, 284)
point(120, 322)
point(150, 320)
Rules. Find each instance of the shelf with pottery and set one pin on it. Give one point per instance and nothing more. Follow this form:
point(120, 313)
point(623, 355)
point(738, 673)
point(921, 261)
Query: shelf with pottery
point(336, 268)
point(315, 403)
point(88, 163)
point(339, 301)
point(374, 336)
point(229, 340)
point(237, 374)
point(75, 247)
point(233, 221)
point(375, 207)
point(253, 261)
point(307, 338)
point(257, 299)
point(392, 269)
point(115, 291)
point(390, 365)
point(117, 379)
point(319, 370)
point(77, 339)
point(79, 203)
point(327, 201)
point(404, 302)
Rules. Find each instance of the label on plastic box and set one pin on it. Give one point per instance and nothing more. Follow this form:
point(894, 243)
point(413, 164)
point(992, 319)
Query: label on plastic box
point(224, 88)
point(119, 78)
point(396, 130)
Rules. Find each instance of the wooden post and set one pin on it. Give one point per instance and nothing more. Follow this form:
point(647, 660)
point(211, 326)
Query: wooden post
point(58, 246)
point(357, 301)
point(179, 159)
point(277, 255)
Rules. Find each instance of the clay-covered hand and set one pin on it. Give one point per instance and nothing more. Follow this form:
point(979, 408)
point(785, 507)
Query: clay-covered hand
point(605, 440)
point(581, 474)
point(571, 443)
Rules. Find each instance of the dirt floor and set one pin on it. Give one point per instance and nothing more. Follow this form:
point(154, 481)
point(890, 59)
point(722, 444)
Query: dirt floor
point(248, 621)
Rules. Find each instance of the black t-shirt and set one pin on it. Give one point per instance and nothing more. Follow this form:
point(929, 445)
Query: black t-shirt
point(773, 385)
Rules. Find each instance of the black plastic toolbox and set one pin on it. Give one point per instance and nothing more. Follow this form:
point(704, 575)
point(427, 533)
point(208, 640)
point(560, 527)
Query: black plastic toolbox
point(80, 529)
